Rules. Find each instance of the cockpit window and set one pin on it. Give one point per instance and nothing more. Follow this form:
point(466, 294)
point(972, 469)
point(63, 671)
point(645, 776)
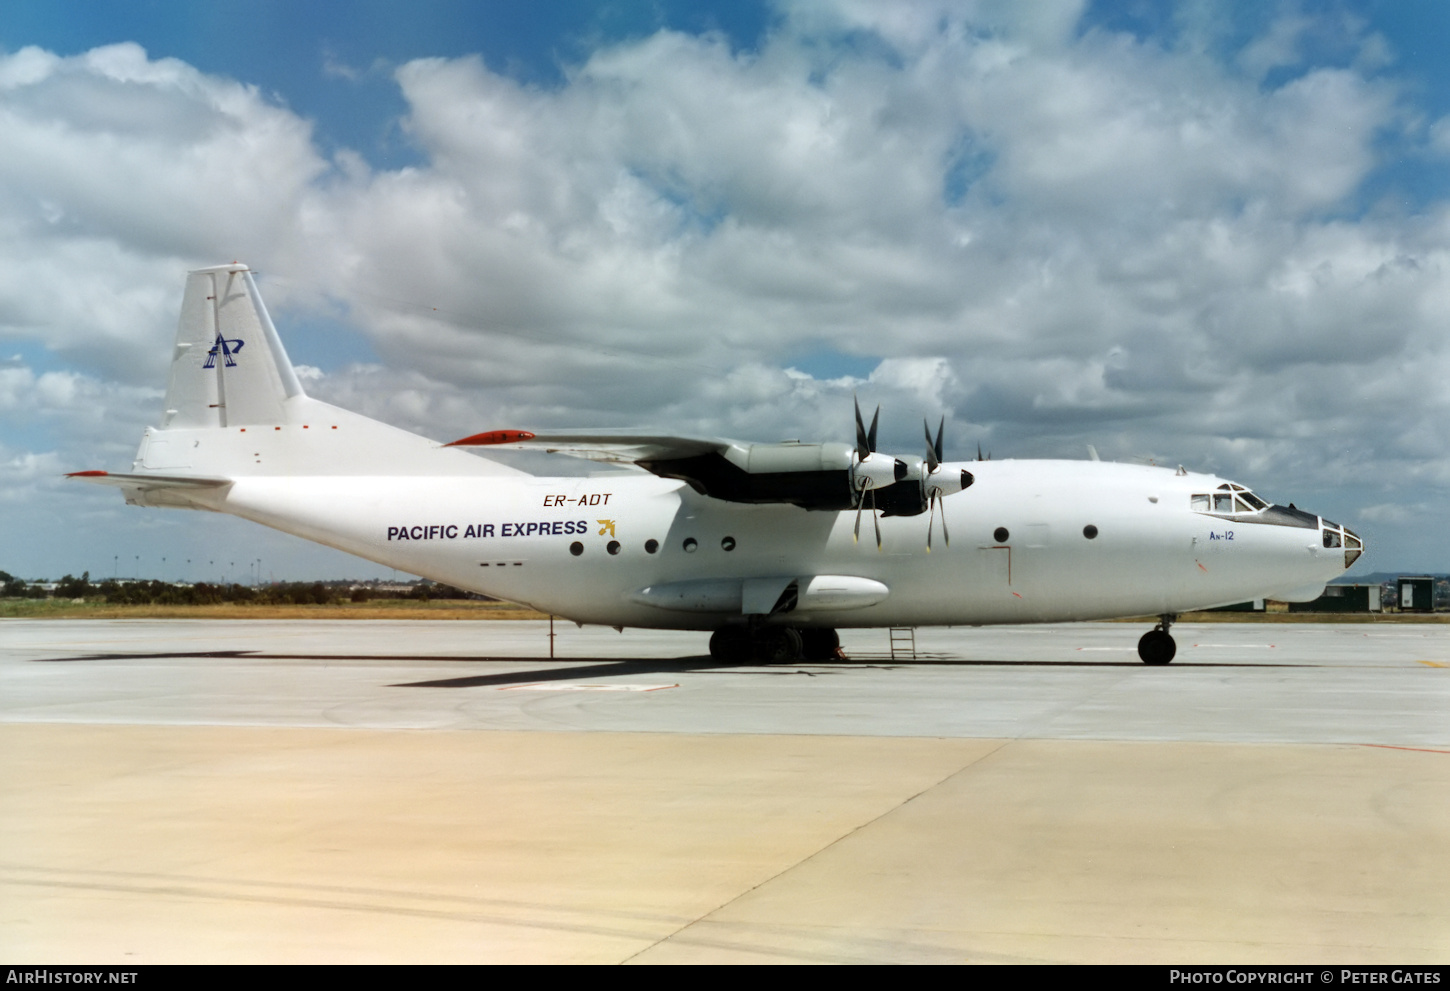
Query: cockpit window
point(1227, 500)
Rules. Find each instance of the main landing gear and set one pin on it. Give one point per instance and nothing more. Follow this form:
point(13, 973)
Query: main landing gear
point(1156, 646)
point(773, 644)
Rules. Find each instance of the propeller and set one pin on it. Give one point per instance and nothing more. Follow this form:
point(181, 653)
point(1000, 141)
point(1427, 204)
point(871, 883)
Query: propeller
point(929, 480)
point(934, 491)
point(867, 469)
point(865, 440)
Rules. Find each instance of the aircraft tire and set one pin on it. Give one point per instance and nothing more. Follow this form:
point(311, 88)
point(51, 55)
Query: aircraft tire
point(779, 645)
point(1157, 647)
point(820, 644)
point(731, 644)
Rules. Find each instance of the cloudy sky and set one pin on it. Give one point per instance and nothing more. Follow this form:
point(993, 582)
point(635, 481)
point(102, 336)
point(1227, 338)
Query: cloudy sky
point(1206, 233)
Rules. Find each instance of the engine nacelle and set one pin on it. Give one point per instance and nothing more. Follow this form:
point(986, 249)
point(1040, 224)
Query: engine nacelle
point(949, 478)
point(876, 471)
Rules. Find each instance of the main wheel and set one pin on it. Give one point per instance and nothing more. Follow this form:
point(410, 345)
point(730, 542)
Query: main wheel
point(1157, 647)
point(820, 644)
point(731, 644)
point(779, 645)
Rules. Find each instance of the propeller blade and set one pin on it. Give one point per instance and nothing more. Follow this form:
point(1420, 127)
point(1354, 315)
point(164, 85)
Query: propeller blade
point(875, 520)
point(871, 435)
point(940, 430)
point(946, 538)
point(860, 502)
point(933, 457)
point(979, 450)
point(863, 442)
point(930, 518)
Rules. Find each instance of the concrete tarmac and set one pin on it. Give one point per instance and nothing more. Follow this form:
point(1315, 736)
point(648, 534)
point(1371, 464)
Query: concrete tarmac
point(442, 792)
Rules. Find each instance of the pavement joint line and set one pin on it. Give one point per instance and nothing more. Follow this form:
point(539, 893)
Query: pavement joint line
point(807, 859)
point(1391, 746)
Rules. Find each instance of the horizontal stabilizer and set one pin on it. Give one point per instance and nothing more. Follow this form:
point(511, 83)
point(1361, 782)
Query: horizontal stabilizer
point(175, 491)
point(149, 481)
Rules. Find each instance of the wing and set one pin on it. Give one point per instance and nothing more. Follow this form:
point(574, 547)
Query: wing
point(594, 445)
point(812, 476)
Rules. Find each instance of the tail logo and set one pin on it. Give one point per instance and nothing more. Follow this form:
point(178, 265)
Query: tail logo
point(227, 348)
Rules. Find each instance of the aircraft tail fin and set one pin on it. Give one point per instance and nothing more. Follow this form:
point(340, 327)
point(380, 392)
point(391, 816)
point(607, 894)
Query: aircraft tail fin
point(229, 367)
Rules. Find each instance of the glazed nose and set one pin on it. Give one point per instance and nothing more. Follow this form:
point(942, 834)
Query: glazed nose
point(1335, 535)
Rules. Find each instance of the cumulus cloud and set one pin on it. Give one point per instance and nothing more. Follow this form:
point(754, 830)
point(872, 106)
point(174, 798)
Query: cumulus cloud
point(1053, 233)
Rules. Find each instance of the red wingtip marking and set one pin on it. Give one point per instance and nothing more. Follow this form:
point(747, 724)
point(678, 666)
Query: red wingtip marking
point(492, 437)
point(86, 474)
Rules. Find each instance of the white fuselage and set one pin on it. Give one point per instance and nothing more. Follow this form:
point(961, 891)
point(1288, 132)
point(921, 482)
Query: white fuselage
point(1031, 541)
point(510, 536)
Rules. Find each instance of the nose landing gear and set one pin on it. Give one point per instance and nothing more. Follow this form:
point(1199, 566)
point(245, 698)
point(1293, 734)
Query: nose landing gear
point(1157, 646)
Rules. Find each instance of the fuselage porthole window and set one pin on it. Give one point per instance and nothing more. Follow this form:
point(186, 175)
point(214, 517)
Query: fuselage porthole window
point(651, 545)
point(690, 545)
point(612, 547)
point(1090, 531)
point(576, 548)
point(727, 543)
point(1000, 535)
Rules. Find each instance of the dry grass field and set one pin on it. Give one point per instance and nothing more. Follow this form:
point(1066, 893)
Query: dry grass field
point(376, 609)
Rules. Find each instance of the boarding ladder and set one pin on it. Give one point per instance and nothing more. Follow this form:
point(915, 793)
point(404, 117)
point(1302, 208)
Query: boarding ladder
point(903, 643)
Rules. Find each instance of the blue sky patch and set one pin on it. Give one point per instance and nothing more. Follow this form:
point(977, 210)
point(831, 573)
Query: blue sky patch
point(828, 363)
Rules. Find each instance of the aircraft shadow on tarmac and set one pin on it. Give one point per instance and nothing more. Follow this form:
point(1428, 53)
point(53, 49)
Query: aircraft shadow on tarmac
point(616, 667)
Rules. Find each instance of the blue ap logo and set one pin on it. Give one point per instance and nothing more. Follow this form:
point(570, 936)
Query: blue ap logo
point(226, 348)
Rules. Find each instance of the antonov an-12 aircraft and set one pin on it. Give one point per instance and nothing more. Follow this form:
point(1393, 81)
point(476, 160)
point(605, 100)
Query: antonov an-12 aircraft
point(763, 544)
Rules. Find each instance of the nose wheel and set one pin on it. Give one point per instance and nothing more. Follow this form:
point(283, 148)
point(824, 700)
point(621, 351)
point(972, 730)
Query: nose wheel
point(1157, 646)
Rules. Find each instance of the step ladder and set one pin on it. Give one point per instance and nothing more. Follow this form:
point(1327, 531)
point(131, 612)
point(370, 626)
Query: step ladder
point(903, 643)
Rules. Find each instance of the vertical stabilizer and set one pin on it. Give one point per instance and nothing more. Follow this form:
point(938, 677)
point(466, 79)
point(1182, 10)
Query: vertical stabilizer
point(228, 368)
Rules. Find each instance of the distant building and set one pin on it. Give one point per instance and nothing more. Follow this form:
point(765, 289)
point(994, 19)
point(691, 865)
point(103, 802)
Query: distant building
point(1416, 593)
point(1253, 605)
point(1343, 598)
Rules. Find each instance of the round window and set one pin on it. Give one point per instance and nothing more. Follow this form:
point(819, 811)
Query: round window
point(1000, 535)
